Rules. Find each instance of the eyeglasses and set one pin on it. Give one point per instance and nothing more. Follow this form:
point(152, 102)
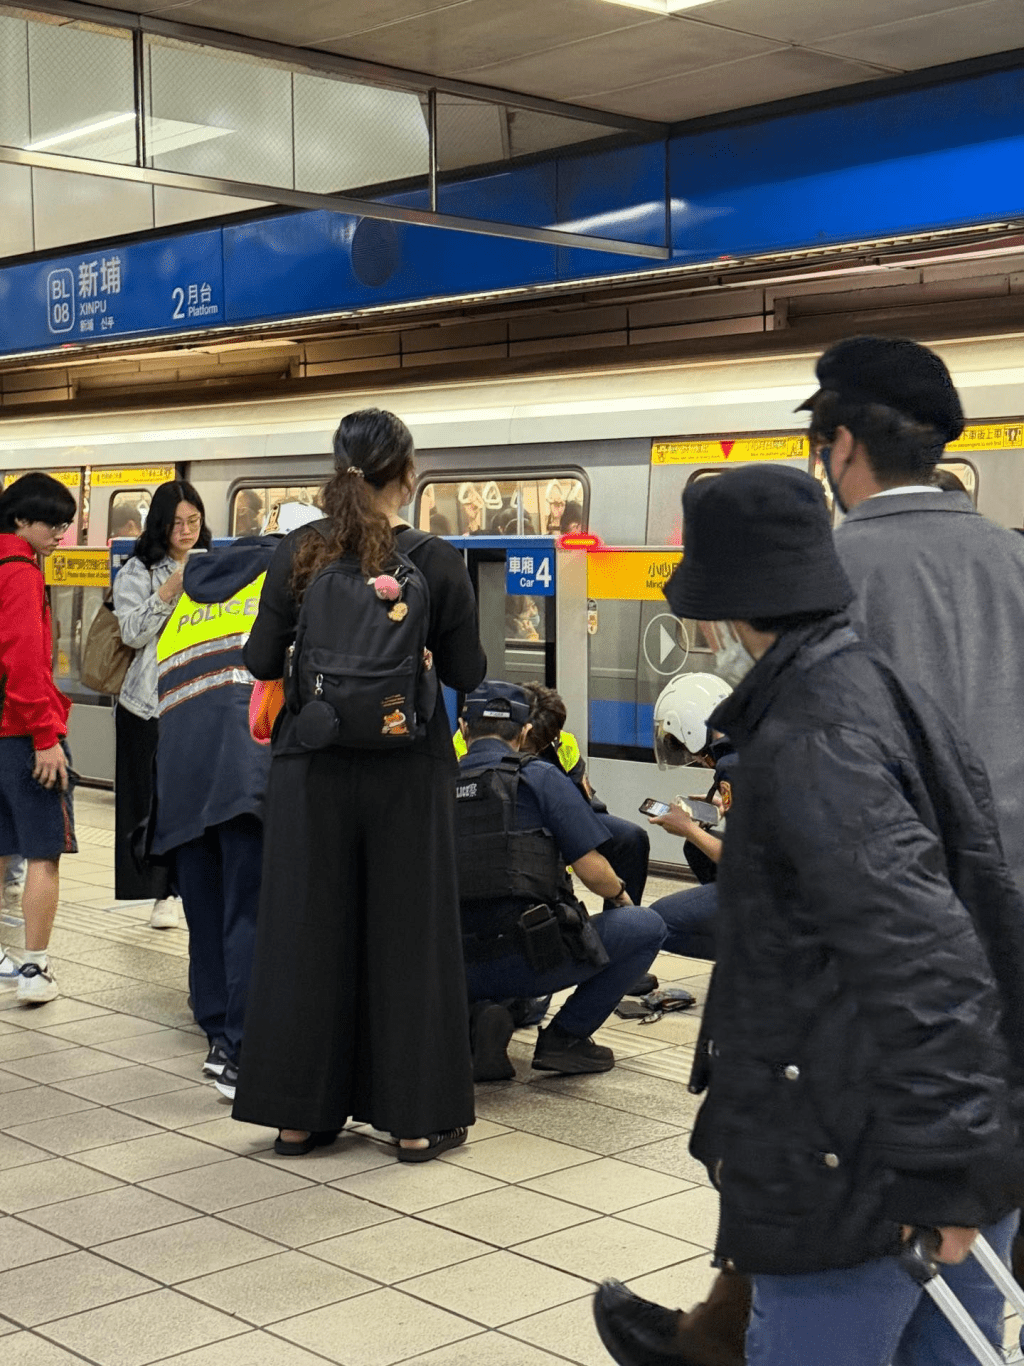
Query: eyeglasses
point(58, 528)
point(190, 524)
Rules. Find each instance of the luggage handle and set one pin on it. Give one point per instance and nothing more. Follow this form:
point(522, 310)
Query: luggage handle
point(919, 1260)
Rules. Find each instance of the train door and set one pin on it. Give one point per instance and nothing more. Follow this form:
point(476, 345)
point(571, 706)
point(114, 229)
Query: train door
point(119, 499)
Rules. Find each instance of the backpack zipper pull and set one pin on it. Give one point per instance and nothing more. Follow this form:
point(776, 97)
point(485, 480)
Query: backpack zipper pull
point(318, 688)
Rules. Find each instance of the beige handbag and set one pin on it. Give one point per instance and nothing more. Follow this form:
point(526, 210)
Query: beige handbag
point(105, 658)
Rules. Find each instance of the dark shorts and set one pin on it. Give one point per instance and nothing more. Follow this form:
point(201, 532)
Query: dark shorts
point(34, 821)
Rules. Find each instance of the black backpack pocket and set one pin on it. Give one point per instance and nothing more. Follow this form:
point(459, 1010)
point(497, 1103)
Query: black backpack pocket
point(375, 703)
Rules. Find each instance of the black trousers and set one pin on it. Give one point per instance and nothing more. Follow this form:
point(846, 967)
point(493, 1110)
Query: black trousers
point(628, 850)
point(218, 876)
point(133, 793)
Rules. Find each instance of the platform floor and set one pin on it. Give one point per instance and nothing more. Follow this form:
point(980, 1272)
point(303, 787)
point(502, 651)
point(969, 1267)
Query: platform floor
point(140, 1223)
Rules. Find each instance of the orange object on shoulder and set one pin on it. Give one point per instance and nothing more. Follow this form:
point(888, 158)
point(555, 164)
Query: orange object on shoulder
point(264, 707)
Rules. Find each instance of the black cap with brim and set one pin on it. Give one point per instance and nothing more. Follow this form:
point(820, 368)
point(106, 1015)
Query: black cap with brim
point(898, 373)
point(758, 543)
point(496, 700)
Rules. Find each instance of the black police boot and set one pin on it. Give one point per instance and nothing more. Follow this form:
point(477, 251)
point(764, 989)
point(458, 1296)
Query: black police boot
point(638, 1332)
point(558, 1051)
point(647, 983)
point(490, 1028)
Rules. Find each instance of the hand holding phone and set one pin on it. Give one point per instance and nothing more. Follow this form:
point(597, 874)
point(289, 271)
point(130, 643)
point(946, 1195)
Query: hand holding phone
point(650, 806)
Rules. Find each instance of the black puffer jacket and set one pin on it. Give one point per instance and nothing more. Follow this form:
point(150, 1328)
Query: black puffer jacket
point(863, 1045)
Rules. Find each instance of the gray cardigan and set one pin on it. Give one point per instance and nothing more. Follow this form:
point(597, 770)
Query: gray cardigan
point(940, 591)
point(141, 615)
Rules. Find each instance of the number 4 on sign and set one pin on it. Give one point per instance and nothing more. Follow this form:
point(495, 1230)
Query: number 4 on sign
point(543, 574)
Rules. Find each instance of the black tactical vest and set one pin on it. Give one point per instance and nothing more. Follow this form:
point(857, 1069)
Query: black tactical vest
point(496, 861)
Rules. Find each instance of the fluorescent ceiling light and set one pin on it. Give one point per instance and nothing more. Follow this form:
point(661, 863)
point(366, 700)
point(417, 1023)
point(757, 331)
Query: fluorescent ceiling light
point(112, 137)
point(85, 130)
point(660, 6)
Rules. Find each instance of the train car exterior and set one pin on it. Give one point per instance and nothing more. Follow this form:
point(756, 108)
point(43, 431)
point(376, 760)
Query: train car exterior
point(508, 457)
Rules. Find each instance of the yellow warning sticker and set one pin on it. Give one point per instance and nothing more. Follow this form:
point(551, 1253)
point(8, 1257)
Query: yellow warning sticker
point(630, 575)
point(735, 451)
point(998, 436)
point(78, 569)
point(71, 479)
point(137, 474)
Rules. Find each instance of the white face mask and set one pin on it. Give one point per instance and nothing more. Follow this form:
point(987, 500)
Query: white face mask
point(733, 661)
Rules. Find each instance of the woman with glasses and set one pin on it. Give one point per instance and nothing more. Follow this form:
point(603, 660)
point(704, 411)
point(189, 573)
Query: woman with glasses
point(36, 819)
point(145, 591)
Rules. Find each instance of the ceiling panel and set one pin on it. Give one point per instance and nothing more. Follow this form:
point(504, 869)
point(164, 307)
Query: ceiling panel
point(661, 48)
point(991, 26)
point(805, 21)
point(780, 75)
point(309, 22)
point(486, 31)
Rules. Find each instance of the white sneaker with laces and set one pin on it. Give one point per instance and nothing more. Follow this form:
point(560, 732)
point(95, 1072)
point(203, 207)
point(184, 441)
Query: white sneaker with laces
point(9, 970)
point(36, 985)
point(166, 913)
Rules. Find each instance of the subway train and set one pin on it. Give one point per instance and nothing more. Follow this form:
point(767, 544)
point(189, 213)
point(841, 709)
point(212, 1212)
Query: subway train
point(606, 453)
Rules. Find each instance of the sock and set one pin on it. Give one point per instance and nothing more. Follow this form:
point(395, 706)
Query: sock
point(37, 956)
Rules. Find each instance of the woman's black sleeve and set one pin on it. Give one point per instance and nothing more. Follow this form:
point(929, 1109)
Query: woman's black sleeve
point(274, 628)
point(454, 624)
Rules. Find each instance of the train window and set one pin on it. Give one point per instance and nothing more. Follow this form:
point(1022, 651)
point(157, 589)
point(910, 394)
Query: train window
point(539, 505)
point(126, 515)
point(963, 473)
point(278, 507)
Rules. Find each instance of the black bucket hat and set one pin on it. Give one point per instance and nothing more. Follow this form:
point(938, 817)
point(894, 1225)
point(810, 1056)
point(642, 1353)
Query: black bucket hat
point(901, 374)
point(758, 543)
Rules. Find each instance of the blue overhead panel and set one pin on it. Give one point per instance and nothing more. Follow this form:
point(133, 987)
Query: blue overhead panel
point(940, 157)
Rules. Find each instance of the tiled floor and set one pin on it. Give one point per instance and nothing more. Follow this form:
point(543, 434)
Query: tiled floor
point(139, 1223)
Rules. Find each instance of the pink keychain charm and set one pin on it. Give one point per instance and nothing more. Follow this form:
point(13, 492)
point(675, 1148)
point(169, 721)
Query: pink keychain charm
point(386, 587)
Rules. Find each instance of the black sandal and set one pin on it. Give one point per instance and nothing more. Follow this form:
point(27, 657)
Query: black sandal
point(436, 1144)
point(315, 1140)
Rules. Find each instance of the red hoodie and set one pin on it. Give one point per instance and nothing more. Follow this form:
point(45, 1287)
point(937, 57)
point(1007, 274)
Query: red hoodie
point(30, 702)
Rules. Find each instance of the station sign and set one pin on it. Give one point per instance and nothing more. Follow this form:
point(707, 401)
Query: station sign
point(738, 451)
point(530, 571)
point(110, 292)
point(78, 569)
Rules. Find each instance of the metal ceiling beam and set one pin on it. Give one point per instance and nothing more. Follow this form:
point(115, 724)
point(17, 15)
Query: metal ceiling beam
point(312, 59)
point(334, 203)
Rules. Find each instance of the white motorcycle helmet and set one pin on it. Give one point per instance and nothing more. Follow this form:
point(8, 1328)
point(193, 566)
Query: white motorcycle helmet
point(680, 717)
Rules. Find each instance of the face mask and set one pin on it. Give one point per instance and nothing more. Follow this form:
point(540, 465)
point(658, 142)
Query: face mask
point(733, 661)
point(825, 456)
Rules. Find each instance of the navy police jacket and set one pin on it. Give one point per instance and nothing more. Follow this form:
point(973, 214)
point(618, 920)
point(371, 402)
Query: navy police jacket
point(863, 1045)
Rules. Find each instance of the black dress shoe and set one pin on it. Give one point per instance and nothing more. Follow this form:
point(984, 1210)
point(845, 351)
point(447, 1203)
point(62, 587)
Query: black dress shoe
point(635, 1332)
point(638, 1332)
point(558, 1051)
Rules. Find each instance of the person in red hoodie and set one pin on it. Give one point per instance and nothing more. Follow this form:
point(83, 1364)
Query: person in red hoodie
point(36, 817)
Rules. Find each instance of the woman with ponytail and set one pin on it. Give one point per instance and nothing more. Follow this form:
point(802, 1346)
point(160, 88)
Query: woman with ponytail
point(357, 1007)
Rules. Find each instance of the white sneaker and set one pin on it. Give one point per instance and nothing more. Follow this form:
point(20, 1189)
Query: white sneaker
point(12, 896)
point(9, 970)
point(166, 913)
point(36, 985)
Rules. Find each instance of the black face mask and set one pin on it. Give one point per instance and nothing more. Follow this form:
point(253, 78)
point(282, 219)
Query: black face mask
point(825, 456)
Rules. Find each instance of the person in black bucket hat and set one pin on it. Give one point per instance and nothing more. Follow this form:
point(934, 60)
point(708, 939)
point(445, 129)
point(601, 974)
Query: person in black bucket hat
point(862, 888)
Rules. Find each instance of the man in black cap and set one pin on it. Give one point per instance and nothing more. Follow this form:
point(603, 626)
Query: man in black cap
point(863, 1044)
point(518, 822)
point(940, 589)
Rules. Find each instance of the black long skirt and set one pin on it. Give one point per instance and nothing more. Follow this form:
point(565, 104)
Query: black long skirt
point(357, 1005)
point(135, 755)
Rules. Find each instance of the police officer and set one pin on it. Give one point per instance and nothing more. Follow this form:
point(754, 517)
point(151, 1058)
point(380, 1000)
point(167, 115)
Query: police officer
point(519, 822)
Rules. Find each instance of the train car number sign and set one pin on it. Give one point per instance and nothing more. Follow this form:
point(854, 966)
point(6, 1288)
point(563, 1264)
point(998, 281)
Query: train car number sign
point(530, 571)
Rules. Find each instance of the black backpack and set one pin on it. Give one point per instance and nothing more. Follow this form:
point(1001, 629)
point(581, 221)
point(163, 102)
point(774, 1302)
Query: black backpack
point(360, 674)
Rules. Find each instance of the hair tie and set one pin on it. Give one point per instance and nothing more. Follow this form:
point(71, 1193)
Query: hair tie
point(357, 472)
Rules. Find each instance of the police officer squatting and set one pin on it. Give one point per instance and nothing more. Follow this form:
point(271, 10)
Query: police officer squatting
point(519, 822)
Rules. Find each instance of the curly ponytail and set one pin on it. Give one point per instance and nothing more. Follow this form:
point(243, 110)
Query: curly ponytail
point(371, 449)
